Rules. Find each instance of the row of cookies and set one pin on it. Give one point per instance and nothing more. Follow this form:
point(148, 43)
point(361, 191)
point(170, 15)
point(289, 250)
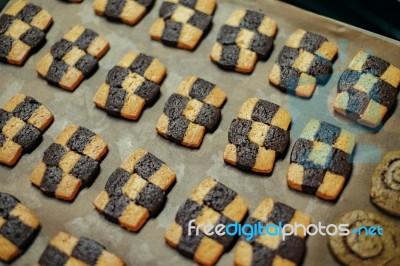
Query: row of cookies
point(256, 137)
point(136, 190)
point(211, 202)
point(367, 90)
point(320, 159)
point(116, 98)
point(317, 168)
point(19, 226)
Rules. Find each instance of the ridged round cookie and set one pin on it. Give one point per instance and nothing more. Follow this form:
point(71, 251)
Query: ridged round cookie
point(385, 190)
point(363, 249)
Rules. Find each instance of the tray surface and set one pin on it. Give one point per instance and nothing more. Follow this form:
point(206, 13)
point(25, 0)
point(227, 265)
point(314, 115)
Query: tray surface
point(148, 246)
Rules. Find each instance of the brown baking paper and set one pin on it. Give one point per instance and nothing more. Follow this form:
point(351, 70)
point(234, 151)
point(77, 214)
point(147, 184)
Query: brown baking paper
point(148, 247)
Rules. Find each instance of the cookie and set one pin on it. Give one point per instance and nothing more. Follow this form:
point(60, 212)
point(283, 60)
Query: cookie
point(182, 23)
point(132, 84)
point(65, 249)
point(210, 203)
point(73, 58)
point(22, 29)
point(358, 248)
point(191, 111)
point(128, 11)
point(205, 6)
point(320, 162)
point(273, 250)
point(305, 61)
point(18, 227)
point(73, 1)
point(246, 37)
point(22, 122)
point(367, 90)
point(385, 189)
point(71, 162)
point(136, 190)
point(257, 136)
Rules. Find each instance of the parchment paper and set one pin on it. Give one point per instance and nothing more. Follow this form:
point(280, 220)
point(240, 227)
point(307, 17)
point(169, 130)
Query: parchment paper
point(148, 247)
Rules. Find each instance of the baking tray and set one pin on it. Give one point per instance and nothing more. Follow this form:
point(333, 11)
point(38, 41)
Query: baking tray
point(191, 165)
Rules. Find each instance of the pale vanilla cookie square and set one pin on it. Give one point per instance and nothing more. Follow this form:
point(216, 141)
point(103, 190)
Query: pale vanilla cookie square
point(210, 203)
point(246, 37)
point(18, 227)
point(73, 58)
point(22, 122)
point(70, 163)
point(128, 11)
point(269, 249)
point(190, 112)
point(183, 24)
point(320, 162)
point(23, 28)
point(258, 136)
point(131, 85)
point(136, 190)
point(305, 61)
point(65, 249)
point(367, 90)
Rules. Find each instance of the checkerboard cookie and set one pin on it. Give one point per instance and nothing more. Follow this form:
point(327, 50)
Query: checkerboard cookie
point(73, 58)
point(18, 227)
point(128, 11)
point(366, 249)
point(183, 23)
point(257, 136)
point(130, 85)
point(319, 163)
point(385, 189)
point(73, 1)
point(22, 29)
point(304, 61)
point(65, 249)
point(210, 203)
point(244, 38)
point(71, 162)
point(367, 90)
point(22, 122)
point(273, 250)
point(136, 190)
point(191, 111)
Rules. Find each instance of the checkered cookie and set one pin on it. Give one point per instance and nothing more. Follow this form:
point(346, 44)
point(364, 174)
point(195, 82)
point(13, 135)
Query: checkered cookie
point(22, 122)
point(73, 58)
point(71, 162)
point(210, 203)
point(130, 85)
point(183, 23)
point(319, 163)
point(244, 38)
point(65, 249)
point(18, 227)
point(367, 90)
point(257, 136)
point(22, 29)
point(305, 60)
point(73, 1)
point(191, 111)
point(136, 190)
point(128, 11)
point(272, 250)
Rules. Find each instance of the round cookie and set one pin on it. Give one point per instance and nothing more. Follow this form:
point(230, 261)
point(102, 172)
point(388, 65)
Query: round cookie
point(363, 249)
point(385, 190)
